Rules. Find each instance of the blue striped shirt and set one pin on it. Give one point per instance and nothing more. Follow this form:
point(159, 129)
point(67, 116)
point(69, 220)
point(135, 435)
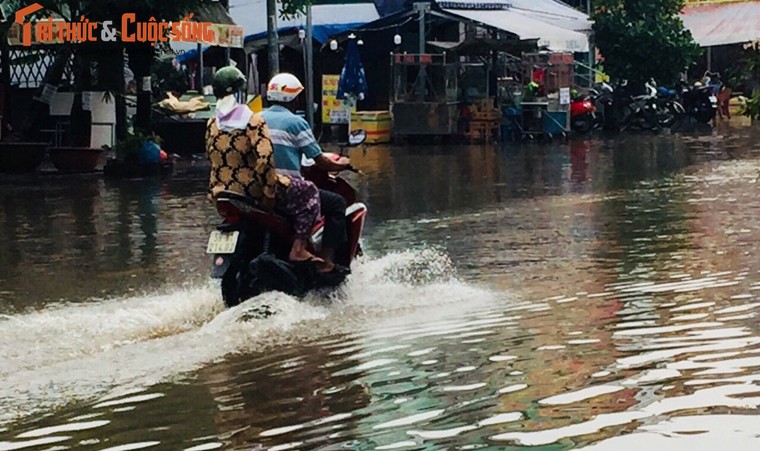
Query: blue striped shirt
point(292, 139)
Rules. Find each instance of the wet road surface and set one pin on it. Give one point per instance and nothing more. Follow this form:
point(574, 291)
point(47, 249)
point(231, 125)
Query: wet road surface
point(599, 294)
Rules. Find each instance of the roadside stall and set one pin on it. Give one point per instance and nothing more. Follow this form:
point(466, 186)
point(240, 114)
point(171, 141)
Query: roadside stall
point(544, 108)
point(182, 123)
point(424, 98)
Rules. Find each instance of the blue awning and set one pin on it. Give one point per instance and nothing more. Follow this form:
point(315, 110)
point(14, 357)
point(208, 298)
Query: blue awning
point(321, 32)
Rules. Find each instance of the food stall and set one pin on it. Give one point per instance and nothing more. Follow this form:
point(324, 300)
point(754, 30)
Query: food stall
point(183, 130)
point(424, 97)
point(543, 106)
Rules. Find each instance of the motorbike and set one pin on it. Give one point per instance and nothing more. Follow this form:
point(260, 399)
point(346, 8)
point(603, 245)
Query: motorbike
point(636, 108)
point(250, 247)
point(668, 105)
point(592, 111)
point(583, 116)
point(699, 102)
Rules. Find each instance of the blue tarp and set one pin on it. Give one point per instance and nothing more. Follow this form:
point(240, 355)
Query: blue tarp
point(321, 34)
point(388, 7)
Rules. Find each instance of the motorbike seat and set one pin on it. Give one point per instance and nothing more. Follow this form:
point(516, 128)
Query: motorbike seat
point(275, 221)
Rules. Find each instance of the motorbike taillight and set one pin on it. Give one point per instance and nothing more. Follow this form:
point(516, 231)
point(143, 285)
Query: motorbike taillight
point(227, 211)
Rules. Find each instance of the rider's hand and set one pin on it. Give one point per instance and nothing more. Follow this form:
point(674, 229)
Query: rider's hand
point(345, 162)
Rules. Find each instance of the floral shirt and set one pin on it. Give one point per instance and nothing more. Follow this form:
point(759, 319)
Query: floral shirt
point(242, 161)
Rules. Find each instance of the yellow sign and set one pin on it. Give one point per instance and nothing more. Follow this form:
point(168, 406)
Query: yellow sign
point(228, 36)
point(334, 111)
point(256, 104)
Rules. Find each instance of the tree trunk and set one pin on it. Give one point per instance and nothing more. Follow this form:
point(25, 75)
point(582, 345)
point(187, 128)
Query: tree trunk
point(5, 82)
point(39, 111)
point(141, 59)
point(80, 132)
point(121, 103)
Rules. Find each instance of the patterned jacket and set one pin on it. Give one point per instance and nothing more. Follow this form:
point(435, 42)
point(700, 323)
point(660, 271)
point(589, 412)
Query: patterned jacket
point(242, 161)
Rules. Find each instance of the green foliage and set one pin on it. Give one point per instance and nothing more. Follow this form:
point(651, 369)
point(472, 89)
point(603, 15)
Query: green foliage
point(752, 107)
point(128, 149)
point(744, 71)
point(292, 8)
point(165, 77)
point(643, 39)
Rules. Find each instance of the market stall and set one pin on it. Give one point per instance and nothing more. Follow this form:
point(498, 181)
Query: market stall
point(424, 97)
point(541, 106)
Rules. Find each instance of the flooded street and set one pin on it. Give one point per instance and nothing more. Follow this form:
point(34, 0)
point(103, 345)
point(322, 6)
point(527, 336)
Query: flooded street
point(599, 294)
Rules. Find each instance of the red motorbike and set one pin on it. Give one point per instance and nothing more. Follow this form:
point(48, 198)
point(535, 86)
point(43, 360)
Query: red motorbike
point(583, 116)
point(250, 247)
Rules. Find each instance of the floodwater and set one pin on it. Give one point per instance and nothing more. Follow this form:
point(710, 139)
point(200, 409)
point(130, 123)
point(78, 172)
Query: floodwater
point(600, 294)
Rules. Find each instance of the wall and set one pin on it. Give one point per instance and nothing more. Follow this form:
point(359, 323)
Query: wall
point(103, 116)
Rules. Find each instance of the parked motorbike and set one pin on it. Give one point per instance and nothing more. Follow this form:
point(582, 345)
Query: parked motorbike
point(699, 102)
point(583, 117)
point(250, 247)
point(604, 99)
point(636, 107)
point(669, 107)
point(591, 112)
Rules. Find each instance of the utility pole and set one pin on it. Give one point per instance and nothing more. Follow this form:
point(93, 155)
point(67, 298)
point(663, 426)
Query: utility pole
point(273, 41)
point(5, 80)
point(591, 51)
point(309, 68)
point(422, 8)
point(226, 4)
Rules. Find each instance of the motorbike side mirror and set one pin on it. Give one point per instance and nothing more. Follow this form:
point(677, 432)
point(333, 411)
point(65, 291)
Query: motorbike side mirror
point(356, 138)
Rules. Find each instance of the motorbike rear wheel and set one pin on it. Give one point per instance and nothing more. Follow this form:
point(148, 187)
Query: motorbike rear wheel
point(667, 114)
point(236, 287)
point(705, 113)
point(583, 123)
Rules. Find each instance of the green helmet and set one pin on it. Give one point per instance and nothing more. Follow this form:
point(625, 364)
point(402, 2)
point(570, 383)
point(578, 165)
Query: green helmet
point(228, 80)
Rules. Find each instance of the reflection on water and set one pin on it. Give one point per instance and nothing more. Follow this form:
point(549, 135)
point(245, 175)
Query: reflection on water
point(596, 294)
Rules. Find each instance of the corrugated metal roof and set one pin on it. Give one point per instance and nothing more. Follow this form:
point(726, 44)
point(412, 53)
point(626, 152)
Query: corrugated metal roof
point(723, 23)
point(527, 26)
point(552, 12)
point(212, 12)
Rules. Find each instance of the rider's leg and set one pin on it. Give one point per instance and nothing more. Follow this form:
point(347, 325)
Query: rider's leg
point(300, 201)
point(333, 208)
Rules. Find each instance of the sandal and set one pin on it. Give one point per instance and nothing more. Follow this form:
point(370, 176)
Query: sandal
point(313, 259)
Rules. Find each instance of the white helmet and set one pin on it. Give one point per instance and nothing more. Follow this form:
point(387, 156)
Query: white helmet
point(284, 88)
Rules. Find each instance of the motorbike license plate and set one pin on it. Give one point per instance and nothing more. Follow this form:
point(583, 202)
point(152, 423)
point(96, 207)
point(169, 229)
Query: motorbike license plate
point(222, 242)
point(713, 99)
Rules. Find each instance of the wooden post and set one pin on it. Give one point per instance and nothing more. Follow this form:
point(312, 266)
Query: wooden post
point(309, 68)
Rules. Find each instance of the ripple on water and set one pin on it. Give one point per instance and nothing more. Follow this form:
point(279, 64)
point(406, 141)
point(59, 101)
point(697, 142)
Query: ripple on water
point(580, 395)
point(409, 420)
point(696, 433)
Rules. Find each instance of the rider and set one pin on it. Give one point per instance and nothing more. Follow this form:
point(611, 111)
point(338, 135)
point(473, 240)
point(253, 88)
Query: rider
point(240, 153)
point(293, 141)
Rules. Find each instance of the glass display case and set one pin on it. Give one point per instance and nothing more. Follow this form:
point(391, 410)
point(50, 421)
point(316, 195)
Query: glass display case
point(425, 94)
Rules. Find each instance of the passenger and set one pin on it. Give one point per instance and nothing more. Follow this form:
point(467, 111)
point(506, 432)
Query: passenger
point(240, 151)
point(293, 141)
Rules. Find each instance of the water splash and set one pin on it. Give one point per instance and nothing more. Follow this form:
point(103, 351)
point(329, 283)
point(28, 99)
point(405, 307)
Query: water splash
point(75, 352)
